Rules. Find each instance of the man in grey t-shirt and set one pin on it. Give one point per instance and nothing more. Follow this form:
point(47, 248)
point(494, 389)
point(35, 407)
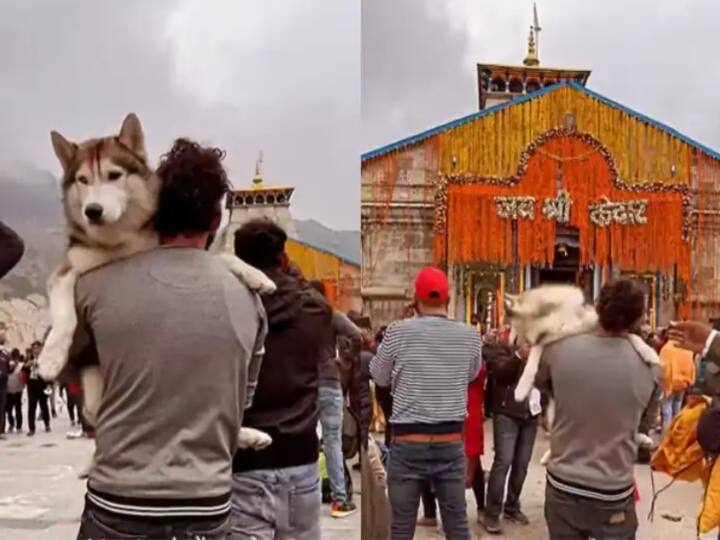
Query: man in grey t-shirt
point(604, 394)
point(179, 343)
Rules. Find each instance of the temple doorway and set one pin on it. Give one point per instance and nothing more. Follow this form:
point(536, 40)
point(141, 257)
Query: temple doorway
point(566, 269)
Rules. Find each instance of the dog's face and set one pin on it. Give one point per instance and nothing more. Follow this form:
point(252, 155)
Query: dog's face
point(106, 181)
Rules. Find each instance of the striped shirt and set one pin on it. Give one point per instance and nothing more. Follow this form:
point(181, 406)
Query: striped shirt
point(429, 362)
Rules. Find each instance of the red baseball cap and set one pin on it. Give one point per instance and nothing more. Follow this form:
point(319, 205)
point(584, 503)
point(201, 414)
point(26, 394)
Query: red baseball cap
point(431, 286)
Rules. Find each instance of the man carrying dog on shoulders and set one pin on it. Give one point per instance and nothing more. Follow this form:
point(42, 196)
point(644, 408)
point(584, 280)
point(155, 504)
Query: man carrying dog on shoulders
point(179, 342)
point(429, 360)
point(604, 393)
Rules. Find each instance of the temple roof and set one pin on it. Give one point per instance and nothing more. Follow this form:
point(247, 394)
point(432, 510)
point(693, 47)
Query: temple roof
point(414, 139)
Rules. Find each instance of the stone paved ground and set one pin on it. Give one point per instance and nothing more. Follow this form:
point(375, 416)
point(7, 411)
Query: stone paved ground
point(681, 500)
point(41, 497)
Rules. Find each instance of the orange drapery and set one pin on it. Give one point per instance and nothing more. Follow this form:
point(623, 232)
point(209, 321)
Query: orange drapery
point(474, 232)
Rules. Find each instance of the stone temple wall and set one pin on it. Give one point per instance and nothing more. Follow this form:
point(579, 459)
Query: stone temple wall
point(397, 221)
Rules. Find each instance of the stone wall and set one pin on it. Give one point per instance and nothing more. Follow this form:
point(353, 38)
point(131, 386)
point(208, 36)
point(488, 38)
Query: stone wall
point(397, 220)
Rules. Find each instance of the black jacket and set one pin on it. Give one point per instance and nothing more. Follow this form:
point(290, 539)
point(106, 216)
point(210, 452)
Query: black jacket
point(286, 398)
point(504, 370)
point(11, 249)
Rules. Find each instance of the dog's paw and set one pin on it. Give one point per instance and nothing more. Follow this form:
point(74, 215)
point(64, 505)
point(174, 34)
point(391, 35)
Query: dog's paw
point(643, 440)
point(84, 473)
point(50, 363)
point(257, 281)
point(545, 459)
point(253, 439)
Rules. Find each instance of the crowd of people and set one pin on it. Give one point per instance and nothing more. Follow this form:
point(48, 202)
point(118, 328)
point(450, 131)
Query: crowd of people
point(436, 379)
point(161, 326)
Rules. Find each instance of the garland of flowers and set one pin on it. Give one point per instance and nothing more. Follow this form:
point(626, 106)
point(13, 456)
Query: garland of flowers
point(444, 179)
point(657, 246)
point(491, 144)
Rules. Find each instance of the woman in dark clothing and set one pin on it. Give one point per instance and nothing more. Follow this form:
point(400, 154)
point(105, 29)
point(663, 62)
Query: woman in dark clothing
point(15, 386)
point(37, 394)
point(11, 249)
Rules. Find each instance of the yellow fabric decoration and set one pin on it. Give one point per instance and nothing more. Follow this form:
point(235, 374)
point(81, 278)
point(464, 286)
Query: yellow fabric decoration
point(491, 146)
point(314, 263)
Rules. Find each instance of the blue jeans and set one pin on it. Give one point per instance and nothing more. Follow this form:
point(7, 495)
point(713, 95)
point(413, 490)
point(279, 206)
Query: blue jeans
point(513, 441)
point(411, 466)
point(277, 504)
point(330, 400)
point(670, 407)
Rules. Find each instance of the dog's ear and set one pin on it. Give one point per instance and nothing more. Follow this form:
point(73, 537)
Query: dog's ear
point(131, 135)
point(64, 149)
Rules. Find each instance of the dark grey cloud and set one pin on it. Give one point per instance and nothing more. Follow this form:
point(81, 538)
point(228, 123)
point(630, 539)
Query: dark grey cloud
point(278, 76)
point(419, 56)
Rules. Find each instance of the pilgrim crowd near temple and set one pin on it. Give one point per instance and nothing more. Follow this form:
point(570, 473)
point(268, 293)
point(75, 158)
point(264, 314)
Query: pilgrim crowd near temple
point(549, 182)
point(339, 274)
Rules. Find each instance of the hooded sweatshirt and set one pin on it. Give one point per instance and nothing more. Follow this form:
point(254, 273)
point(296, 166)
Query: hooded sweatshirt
point(285, 403)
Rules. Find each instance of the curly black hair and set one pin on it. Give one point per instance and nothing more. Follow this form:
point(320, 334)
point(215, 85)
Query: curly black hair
point(621, 305)
point(193, 183)
point(260, 243)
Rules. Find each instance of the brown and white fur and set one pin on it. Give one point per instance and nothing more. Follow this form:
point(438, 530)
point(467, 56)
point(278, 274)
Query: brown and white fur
point(109, 196)
point(547, 314)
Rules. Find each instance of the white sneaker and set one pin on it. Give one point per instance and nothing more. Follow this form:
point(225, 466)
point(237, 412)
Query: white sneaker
point(75, 434)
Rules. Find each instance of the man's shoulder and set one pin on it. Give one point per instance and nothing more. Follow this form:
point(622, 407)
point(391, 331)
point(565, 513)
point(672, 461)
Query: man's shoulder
point(449, 327)
point(570, 342)
point(314, 302)
point(100, 275)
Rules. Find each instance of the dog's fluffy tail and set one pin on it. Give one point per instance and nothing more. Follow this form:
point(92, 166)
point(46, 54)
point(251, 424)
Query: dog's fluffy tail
point(527, 379)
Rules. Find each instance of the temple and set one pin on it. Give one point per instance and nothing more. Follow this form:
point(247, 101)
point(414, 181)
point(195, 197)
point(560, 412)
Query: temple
point(340, 275)
point(549, 182)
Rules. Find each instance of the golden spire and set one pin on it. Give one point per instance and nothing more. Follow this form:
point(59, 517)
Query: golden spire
point(531, 59)
point(257, 180)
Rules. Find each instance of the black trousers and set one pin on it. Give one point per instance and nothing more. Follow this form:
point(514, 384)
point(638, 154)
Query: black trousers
point(13, 408)
point(73, 407)
point(37, 397)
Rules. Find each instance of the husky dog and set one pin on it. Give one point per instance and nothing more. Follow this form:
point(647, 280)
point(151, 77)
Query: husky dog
point(109, 196)
point(550, 313)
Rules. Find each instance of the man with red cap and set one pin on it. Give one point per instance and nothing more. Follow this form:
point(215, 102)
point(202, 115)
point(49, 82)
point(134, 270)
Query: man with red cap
point(428, 360)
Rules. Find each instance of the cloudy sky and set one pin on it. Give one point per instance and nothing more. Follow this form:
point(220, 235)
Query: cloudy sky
point(659, 57)
point(282, 76)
